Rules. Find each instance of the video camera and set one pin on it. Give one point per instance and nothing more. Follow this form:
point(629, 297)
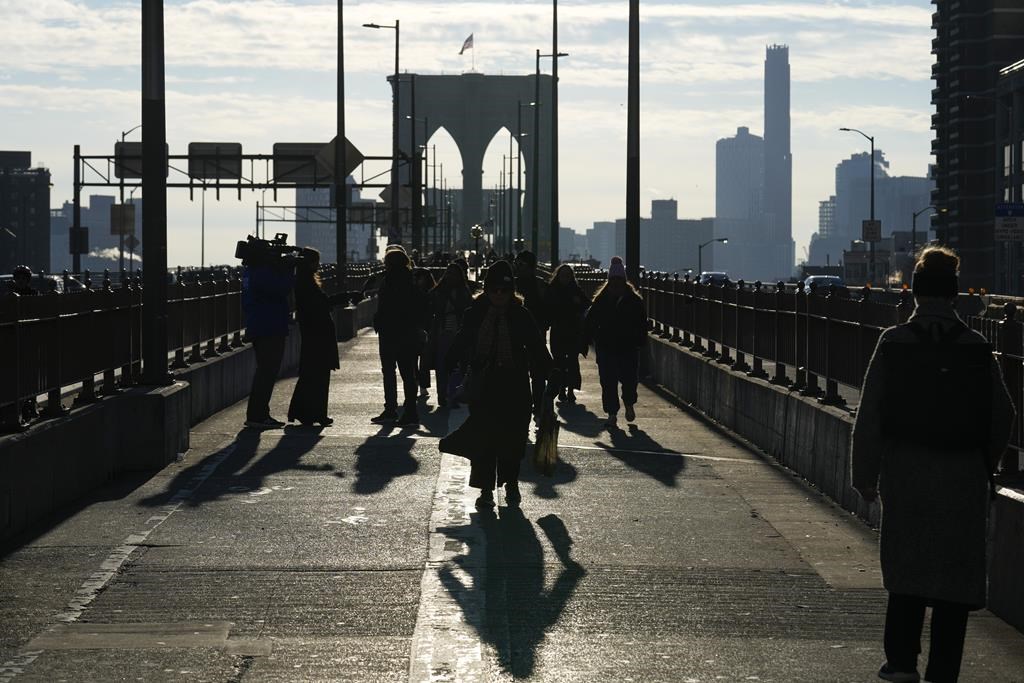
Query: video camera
point(276, 253)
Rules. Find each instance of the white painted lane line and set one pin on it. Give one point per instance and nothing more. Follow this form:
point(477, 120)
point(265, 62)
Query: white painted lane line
point(446, 645)
point(689, 456)
point(98, 581)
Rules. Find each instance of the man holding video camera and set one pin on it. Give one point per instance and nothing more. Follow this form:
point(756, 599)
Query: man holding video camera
point(267, 280)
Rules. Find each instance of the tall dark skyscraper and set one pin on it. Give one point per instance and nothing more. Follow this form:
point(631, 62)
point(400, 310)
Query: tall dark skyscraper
point(778, 158)
point(973, 41)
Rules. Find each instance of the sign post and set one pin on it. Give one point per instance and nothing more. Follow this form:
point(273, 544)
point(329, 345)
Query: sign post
point(871, 231)
point(1009, 224)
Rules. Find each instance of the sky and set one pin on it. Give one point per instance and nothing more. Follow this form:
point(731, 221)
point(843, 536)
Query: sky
point(263, 71)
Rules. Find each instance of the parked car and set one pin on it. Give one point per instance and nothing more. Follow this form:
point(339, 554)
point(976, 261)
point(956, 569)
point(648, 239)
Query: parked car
point(822, 283)
point(713, 277)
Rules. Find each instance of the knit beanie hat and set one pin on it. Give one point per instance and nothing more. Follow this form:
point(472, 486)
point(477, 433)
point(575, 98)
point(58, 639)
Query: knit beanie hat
point(617, 269)
point(499, 275)
point(936, 273)
point(527, 257)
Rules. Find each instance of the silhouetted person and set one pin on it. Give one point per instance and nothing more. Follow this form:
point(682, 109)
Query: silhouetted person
point(617, 323)
point(934, 419)
point(265, 289)
point(22, 282)
point(566, 306)
point(318, 353)
point(533, 290)
point(425, 360)
point(448, 303)
point(399, 323)
point(502, 345)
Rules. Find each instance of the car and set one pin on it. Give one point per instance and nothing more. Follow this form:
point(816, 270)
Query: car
point(714, 277)
point(822, 283)
point(44, 284)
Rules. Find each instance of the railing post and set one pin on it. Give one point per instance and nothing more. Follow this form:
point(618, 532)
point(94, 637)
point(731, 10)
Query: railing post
point(109, 380)
point(780, 378)
point(674, 300)
point(225, 344)
point(811, 387)
point(236, 340)
point(709, 343)
point(196, 356)
point(664, 309)
point(724, 357)
point(740, 364)
point(208, 310)
point(799, 341)
point(688, 311)
point(831, 397)
point(179, 352)
point(758, 370)
point(1010, 352)
point(87, 394)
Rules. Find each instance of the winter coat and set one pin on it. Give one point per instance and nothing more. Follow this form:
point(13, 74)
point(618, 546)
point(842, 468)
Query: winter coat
point(402, 316)
point(566, 307)
point(499, 419)
point(534, 293)
point(313, 307)
point(617, 324)
point(265, 300)
point(934, 503)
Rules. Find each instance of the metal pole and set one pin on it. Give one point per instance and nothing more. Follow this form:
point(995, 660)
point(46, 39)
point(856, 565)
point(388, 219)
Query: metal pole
point(395, 237)
point(414, 173)
point(700, 261)
point(341, 159)
point(872, 256)
point(510, 191)
point(519, 175)
point(437, 223)
point(76, 217)
point(535, 175)
point(120, 238)
point(633, 149)
point(154, 189)
point(202, 230)
point(554, 133)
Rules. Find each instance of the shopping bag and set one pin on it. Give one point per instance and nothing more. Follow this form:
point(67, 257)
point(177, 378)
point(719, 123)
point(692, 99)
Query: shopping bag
point(545, 453)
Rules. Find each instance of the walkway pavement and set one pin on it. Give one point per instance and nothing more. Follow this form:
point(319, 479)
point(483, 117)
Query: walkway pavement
point(664, 552)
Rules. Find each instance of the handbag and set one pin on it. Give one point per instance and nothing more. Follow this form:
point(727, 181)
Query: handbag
point(473, 382)
point(545, 453)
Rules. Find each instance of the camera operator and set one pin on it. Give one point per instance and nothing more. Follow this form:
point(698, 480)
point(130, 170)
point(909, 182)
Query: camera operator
point(267, 280)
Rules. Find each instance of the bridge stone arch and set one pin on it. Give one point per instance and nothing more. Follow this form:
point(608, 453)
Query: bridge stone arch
point(473, 108)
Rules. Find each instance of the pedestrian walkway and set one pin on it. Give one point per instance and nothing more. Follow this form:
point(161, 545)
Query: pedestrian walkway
point(664, 551)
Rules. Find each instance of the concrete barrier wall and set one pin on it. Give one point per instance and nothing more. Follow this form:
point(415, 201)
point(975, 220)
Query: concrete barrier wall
point(56, 462)
point(813, 440)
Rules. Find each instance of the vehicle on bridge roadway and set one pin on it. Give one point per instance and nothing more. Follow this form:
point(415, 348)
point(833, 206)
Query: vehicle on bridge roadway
point(713, 277)
point(823, 283)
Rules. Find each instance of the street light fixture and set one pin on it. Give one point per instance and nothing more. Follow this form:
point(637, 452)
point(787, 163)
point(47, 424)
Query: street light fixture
point(700, 252)
point(871, 243)
point(396, 233)
point(913, 228)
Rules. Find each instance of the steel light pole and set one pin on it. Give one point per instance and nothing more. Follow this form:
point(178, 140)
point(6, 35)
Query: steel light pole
point(341, 158)
point(124, 134)
point(555, 56)
point(415, 177)
point(913, 228)
point(700, 253)
point(871, 139)
point(519, 172)
point(395, 236)
point(633, 146)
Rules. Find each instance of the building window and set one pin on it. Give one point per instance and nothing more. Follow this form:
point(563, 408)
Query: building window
point(1007, 160)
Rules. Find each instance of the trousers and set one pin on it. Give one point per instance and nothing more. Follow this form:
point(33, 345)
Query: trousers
point(904, 619)
point(406, 362)
point(269, 352)
point(614, 368)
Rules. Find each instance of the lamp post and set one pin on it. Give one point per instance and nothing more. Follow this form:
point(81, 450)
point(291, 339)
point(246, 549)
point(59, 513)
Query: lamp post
point(633, 146)
point(415, 177)
point(871, 243)
point(913, 226)
point(519, 172)
point(395, 236)
point(124, 134)
point(555, 55)
point(341, 197)
point(700, 253)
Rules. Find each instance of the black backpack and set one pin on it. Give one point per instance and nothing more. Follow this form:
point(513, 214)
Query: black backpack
point(938, 392)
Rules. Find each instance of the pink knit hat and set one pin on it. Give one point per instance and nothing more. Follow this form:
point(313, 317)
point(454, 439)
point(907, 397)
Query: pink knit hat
point(617, 269)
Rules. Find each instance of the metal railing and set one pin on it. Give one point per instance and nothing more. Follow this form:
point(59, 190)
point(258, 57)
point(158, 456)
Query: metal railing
point(89, 343)
point(825, 337)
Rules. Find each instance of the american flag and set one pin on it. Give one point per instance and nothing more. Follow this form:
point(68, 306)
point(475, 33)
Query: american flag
point(467, 44)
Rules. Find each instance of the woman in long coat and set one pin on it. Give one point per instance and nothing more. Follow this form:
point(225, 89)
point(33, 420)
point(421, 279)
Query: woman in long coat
point(566, 305)
point(501, 343)
point(448, 303)
point(935, 499)
point(318, 353)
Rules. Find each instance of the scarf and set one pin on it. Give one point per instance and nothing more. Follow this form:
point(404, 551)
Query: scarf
point(494, 342)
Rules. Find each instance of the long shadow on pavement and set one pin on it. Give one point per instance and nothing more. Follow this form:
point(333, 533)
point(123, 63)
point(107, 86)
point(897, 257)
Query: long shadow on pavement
point(638, 450)
point(512, 573)
point(577, 419)
point(284, 455)
point(543, 486)
point(382, 458)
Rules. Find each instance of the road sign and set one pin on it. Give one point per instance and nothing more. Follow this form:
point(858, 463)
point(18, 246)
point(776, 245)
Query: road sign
point(122, 219)
point(79, 240)
point(128, 159)
point(1009, 223)
point(295, 162)
point(215, 160)
point(131, 242)
point(871, 231)
point(325, 158)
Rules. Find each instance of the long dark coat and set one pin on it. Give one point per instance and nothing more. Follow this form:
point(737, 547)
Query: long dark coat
point(566, 306)
point(319, 348)
point(934, 503)
point(499, 420)
point(402, 316)
point(617, 324)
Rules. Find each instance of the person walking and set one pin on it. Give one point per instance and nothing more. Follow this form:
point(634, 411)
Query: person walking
point(617, 324)
point(399, 323)
point(448, 303)
point(266, 284)
point(425, 359)
point(566, 305)
point(318, 353)
point(501, 344)
point(933, 421)
point(533, 291)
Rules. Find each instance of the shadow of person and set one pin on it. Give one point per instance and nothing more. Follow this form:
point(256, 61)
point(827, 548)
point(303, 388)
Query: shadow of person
point(512, 573)
point(577, 419)
point(380, 460)
point(435, 422)
point(637, 449)
point(228, 470)
point(544, 486)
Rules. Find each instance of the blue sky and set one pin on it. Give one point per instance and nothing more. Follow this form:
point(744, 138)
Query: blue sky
point(260, 71)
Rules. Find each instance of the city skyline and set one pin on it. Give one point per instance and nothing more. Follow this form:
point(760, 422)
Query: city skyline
point(702, 65)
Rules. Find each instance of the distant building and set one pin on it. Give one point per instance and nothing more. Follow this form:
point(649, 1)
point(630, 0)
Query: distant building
point(601, 242)
point(739, 186)
point(24, 213)
point(669, 243)
point(569, 245)
point(777, 245)
point(104, 246)
point(973, 41)
point(316, 227)
point(1010, 92)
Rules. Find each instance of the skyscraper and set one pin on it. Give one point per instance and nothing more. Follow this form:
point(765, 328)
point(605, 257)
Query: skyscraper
point(973, 41)
point(778, 159)
point(739, 184)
